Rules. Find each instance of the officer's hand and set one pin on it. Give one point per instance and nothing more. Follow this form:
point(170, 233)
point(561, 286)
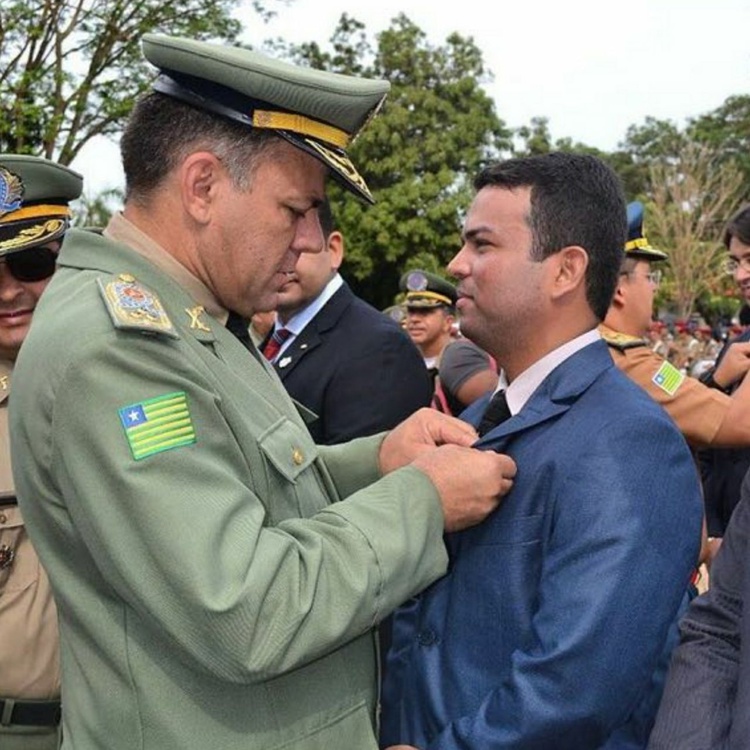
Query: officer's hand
point(421, 432)
point(734, 364)
point(401, 747)
point(470, 482)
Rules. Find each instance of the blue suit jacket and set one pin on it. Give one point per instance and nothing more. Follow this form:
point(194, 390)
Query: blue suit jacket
point(553, 618)
point(356, 369)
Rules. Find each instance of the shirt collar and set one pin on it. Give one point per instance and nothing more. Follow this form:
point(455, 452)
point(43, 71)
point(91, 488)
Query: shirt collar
point(521, 389)
point(122, 230)
point(300, 319)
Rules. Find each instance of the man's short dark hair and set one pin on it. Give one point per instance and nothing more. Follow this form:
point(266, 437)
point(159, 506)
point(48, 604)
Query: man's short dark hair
point(576, 199)
point(161, 131)
point(738, 226)
point(327, 219)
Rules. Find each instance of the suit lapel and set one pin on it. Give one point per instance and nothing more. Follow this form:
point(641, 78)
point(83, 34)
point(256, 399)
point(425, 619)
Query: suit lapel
point(313, 334)
point(555, 395)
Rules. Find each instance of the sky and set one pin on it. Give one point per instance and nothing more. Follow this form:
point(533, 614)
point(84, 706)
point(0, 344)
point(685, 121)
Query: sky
point(592, 68)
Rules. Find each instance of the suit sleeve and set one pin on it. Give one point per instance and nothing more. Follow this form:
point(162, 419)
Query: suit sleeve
point(614, 572)
point(376, 387)
point(700, 695)
point(193, 541)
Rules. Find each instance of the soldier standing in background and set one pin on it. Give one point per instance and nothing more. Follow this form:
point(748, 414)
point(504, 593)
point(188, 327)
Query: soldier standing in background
point(34, 215)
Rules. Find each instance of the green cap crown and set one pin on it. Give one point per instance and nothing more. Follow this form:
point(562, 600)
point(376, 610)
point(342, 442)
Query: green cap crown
point(425, 289)
point(34, 197)
point(318, 112)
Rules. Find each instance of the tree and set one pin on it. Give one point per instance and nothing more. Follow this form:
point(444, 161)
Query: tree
point(419, 155)
point(692, 198)
point(727, 131)
point(71, 69)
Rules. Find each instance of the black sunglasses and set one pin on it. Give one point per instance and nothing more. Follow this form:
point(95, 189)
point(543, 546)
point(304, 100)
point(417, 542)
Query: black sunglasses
point(34, 264)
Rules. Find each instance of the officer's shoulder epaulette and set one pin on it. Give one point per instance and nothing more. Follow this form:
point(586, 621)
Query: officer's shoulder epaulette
point(619, 340)
point(133, 307)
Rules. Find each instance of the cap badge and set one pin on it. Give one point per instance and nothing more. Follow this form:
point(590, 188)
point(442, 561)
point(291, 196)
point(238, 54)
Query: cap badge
point(416, 281)
point(11, 191)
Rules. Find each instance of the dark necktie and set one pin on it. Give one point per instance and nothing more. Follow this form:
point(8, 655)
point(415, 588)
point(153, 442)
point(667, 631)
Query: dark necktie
point(497, 411)
point(238, 326)
point(274, 344)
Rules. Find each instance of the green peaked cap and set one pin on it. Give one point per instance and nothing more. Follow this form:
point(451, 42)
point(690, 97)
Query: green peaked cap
point(318, 112)
point(34, 197)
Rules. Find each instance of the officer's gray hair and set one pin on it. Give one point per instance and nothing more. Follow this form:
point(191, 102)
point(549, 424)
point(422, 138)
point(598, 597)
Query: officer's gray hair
point(161, 132)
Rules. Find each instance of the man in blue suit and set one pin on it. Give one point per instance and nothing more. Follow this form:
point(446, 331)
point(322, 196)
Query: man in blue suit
point(550, 628)
point(352, 366)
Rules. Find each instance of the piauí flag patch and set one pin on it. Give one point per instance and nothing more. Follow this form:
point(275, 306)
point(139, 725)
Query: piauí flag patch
point(668, 378)
point(158, 424)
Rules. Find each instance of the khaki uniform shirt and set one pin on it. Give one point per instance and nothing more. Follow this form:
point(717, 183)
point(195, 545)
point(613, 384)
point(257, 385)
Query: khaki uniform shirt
point(697, 410)
point(29, 647)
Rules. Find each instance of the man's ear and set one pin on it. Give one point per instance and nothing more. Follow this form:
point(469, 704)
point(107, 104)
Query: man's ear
point(620, 295)
point(336, 248)
point(201, 174)
point(570, 270)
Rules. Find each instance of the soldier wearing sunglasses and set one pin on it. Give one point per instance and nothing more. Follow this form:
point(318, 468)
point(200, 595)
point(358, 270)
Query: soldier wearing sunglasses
point(34, 215)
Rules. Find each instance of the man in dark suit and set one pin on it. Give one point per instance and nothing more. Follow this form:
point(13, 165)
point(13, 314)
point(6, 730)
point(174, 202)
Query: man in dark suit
point(344, 360)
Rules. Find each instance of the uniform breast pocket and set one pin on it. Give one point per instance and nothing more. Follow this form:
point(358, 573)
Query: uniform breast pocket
point(290, 455)
point(19, 565)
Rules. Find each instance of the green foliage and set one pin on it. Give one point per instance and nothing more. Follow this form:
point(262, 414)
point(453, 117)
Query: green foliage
point(726, 131)
point(437, 128)
point(71, 69)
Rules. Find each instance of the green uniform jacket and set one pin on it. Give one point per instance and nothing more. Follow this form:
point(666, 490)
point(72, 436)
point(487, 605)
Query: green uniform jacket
point(210, 594)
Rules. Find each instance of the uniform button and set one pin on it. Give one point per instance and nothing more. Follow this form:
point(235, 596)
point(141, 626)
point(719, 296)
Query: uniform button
point(3, 518)
point(427, 638)
point(297, 457)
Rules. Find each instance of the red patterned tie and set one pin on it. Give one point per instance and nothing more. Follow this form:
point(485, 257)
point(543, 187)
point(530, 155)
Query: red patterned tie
point(271, 349)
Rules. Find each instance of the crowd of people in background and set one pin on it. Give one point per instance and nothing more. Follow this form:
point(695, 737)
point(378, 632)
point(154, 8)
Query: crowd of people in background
point(242, 508)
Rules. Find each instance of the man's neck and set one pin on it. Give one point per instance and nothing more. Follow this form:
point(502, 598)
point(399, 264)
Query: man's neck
point(621, 324)
point(434, 348)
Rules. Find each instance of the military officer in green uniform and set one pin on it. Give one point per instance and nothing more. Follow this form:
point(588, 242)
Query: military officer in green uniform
point(34, 216)
point(430, 303)
point(211, 590)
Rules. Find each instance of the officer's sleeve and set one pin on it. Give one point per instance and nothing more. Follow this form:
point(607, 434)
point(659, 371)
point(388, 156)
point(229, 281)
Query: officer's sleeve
point(182, 535)
point(614, 572)
point(699, 702)
point(697, 410)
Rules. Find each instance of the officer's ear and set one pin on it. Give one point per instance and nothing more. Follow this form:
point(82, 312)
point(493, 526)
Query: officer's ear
point(620, 297)
point(201, 176)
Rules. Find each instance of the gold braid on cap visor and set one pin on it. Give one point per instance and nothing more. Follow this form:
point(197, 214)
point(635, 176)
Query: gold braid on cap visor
point(636, 244)
point(430, 295)
point(49, 228)
point(34, 212)
point(265, 119)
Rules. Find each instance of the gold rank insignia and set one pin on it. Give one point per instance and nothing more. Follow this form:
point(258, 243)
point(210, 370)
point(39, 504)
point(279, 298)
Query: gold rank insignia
point(195, 318)
point(620, 340)
point(133, 307)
